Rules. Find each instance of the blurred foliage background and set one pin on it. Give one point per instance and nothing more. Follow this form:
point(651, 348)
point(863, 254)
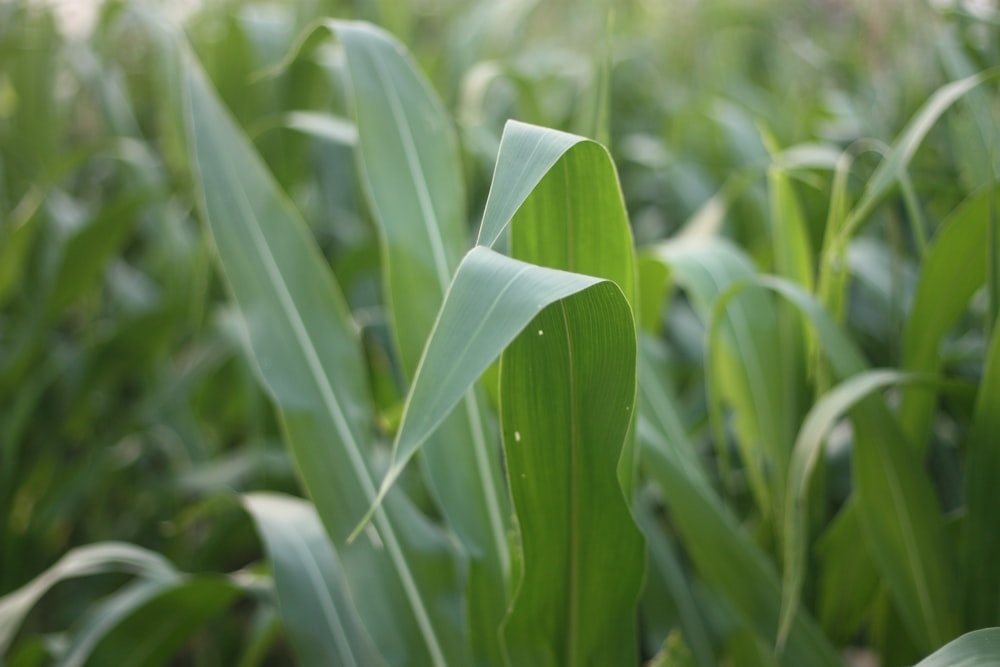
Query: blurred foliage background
point(128, 410)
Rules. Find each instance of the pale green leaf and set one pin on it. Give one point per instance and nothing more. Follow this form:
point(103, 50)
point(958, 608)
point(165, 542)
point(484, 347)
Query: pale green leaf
point(974, 649)
point(307, 354)
point(319, 616)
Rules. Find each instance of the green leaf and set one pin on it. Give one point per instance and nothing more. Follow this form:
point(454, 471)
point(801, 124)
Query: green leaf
point(316, 608)
point(741, 362)
point(897, 503)
point(308, 356)
point(941, 298)
point(824, 414)
point(906, 144)
point(721, 551)
point(664, 562)
point(80, 562)
point(408, 157)
point(848, 578)
point(148, 622)
point(974, 649)
point(567, 390)
point(981, 543)
point(491, 299)
point(574, 218)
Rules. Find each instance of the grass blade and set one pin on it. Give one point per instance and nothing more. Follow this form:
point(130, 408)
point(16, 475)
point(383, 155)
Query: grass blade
point(740, 360)
point(898, 507)
point(906, 144)
point(824, 414)
point(148, 623)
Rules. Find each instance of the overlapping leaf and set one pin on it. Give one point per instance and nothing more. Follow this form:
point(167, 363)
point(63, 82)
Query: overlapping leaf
point(308, 356)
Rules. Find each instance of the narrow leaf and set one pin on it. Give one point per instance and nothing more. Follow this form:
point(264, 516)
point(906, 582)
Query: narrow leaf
point(80, 562)
point(808, 447)
point(722, 553)
point(981, 539)
point(941, 298)
point(318, 614)
point(308, 356)
point(974, 649)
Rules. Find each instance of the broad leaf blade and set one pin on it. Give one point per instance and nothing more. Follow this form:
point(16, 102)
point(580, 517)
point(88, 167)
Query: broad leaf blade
point(491, 299)
point(573, 219)
point(567, 389)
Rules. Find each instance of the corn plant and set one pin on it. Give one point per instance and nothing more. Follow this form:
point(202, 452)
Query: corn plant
point(512, 462)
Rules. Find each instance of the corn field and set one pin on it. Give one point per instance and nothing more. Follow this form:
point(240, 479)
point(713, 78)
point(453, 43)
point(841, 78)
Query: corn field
point(499, 334)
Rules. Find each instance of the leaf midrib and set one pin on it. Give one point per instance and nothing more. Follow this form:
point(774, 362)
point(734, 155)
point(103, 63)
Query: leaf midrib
point(316, 372)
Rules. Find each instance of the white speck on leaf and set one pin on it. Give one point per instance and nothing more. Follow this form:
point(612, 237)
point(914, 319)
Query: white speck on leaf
point(517, 436)
point(540, 332)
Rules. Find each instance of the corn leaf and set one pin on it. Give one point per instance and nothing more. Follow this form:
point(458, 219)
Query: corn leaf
point(741, 360)
point(146, 624)
point(942, 296)
point(824, 414)
point(408, 157)
point(80, 562)
point(974, 649)
point(308, 356)
point(897, 504)
point(981, 543)
point(318, 614)
point(722, 553)
point(567, 390)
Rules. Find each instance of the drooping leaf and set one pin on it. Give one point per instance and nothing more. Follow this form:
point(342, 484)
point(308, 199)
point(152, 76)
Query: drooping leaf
point(149, 622)
point(491, 299)
point(318, 613)
point(742, 362)
point(906, 144)
point(80, 562)
point(824, 414)
point(974, 649)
